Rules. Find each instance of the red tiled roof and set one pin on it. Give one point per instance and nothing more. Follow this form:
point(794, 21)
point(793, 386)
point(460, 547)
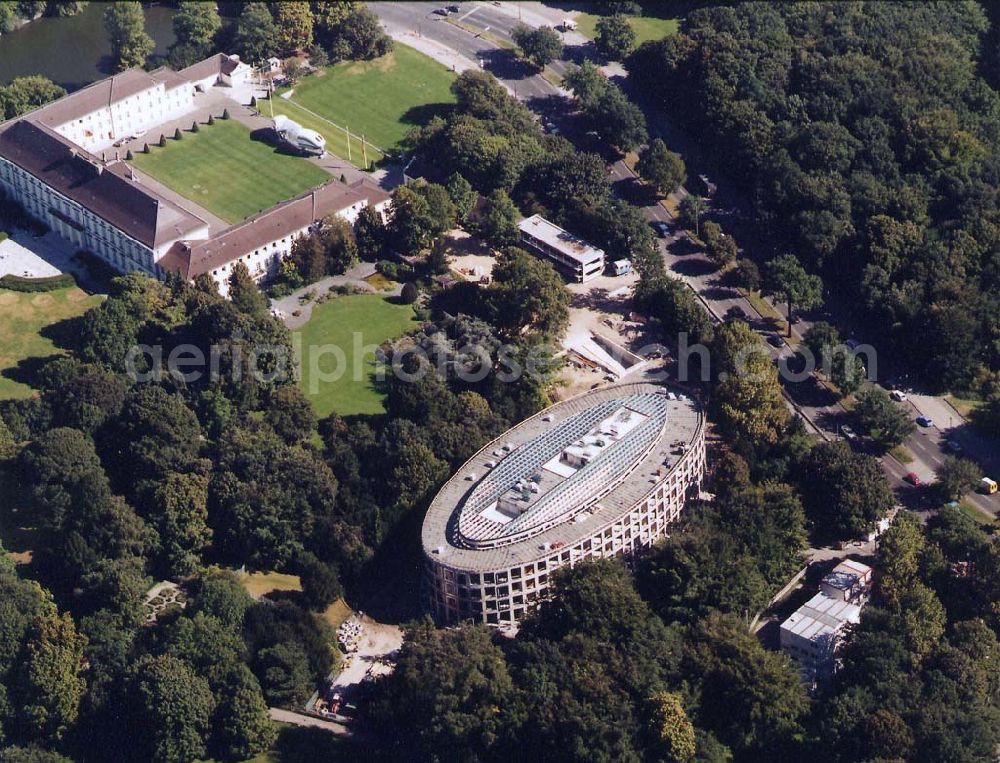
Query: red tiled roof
point(105, 189)
point(194, 258)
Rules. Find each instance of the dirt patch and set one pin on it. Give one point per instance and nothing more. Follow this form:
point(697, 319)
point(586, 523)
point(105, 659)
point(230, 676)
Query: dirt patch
point(8, 298)
point(43, 300)
point(259, 584)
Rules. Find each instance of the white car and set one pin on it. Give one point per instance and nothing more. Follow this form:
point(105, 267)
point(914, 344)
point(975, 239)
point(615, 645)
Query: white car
point(898, 395)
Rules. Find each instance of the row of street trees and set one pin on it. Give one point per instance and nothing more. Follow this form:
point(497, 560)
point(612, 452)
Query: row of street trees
point(327, 31)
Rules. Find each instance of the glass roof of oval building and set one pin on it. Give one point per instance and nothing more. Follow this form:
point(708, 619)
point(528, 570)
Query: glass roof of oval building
point(549, 478)
point(560, 474)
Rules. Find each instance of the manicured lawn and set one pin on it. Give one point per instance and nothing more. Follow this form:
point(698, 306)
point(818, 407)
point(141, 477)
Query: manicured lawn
point(363, 320)
point(260, 583)
point(646, 27)
point(336, 139)
point(23, 319)
point(381, 99)
point(231, 175)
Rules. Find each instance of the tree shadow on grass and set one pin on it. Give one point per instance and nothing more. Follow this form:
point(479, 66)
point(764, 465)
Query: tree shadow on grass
point(577, 54)
point(27, 370)
point(64, 334)
point(420, 115)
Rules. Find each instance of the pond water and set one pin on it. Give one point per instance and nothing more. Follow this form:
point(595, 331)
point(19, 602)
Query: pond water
point(74, 51)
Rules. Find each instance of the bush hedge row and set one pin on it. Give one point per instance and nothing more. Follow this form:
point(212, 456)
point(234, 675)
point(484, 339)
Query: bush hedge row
point(31, 285)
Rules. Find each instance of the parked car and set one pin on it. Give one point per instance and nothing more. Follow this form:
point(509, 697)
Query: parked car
point(661, 228)
point(898, 395)
point(442, 11)
point(454, 8)
point(925, 421)
point(913, 479)
point(775, 341)
point(849, 434)
point(954, 446)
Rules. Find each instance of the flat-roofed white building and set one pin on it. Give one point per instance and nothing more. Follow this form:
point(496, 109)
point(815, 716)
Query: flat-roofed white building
point(812, 634)
point(596, 476)
point(571, 255)
point(848, 581)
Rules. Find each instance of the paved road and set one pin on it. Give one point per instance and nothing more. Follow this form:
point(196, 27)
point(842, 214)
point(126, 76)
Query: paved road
point(419, 20)
point(308, 721)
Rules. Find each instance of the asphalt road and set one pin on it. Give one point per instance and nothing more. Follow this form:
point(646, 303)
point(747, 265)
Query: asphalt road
point(420, 20)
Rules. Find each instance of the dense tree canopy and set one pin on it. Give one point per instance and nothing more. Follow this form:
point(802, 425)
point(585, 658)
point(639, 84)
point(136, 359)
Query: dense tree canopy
point(125, 24)
point(844, 492)
point(24, 94)
point(866, 136)
point(661, 167)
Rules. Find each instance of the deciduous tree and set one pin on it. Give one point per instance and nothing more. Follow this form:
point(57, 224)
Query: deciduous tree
point(462, 195)
point(880, 418)
point(48, 686)
point(242, 727)
point(719, 245)
point(540, 45)
point(786, 277)
point(24, 94)
point(295, 25)
point(957, 476)
point(672, 728)
point(661, 167)
point(844, 493)
point(244, 292)
point(498, 222)
point(615, 36)
point(256, 33)
point(170, 710)
point(125, 24)
point(527, 296)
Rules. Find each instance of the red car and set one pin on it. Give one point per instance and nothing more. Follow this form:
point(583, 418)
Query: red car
point(913, 479)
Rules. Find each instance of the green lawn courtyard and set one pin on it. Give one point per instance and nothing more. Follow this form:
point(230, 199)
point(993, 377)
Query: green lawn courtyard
point(381, 99)
point(23, 317)
point(646, 28)
point(225, 171)
point(358, 320)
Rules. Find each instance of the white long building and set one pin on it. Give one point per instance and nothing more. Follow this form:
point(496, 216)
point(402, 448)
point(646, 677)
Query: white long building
point(61, 164)
point(600, 475)
point(812, 634)
point(571, 255)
